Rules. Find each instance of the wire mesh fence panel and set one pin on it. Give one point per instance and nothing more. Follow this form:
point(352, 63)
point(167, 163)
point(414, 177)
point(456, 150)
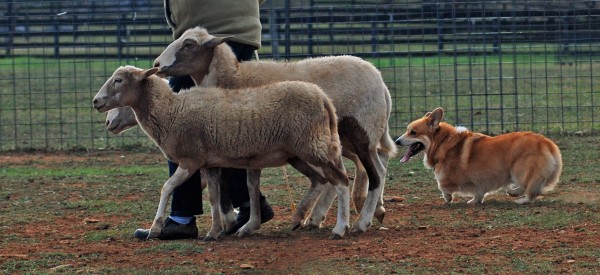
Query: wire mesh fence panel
point(495, 66)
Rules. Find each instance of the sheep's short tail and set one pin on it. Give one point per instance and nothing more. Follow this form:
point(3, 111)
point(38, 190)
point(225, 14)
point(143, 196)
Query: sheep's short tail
point(387, 145)
point(333, 128)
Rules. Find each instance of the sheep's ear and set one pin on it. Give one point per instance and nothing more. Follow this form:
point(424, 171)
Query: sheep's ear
point(436, 117)
point(141, 75)
point(217, 41)
point(149, 72)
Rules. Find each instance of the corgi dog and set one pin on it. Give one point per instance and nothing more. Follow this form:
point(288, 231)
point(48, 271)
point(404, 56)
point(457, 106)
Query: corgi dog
point(475, 164)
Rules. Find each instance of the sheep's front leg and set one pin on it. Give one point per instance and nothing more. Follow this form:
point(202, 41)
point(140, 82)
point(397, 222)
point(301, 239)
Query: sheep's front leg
point(180, 176)
point(343, 214)
point(321, 207)
point(253, 182)
point(213, 176)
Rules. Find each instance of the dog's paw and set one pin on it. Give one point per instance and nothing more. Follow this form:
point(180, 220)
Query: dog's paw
point(523, 200)
point(447, 197)
point(515, 192)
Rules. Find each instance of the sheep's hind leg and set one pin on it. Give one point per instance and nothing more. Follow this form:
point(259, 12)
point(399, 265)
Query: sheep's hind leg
point(384, 157)
point(321, 207)
point(360, 188)
point(180, 176)
point(228, 215)
point(335, 174)
point(213, 178)
point(343, 214)
point(253, 224)
point(372, 162)
point(316, 187)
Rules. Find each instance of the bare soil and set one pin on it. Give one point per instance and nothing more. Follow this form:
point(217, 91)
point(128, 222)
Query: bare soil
point(405, 242)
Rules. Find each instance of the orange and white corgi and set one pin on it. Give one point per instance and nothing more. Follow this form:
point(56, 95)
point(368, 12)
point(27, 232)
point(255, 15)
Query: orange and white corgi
point(475, 164)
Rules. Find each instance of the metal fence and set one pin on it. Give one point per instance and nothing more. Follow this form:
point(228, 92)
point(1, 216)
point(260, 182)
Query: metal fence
point(495, 66)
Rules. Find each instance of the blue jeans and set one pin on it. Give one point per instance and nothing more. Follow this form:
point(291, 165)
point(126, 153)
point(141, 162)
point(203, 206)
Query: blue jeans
point(187, 198)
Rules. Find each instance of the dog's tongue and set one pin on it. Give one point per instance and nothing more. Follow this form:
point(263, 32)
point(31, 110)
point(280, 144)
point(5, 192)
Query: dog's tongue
point(408, 154)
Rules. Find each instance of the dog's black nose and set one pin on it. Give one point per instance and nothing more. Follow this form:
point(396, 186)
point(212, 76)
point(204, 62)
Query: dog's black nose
point(398, 142)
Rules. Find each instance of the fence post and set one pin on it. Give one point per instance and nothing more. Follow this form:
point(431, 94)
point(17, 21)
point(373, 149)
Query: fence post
point(309, 28)
point(56, 37)
point(274, 31)
point(439, 16)
point(120, 35)
point(564, 26)
point(287, 29)
point(496, 44)
point(11, 27)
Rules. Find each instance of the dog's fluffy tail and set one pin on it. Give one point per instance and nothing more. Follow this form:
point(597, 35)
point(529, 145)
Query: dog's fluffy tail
point(548, 175)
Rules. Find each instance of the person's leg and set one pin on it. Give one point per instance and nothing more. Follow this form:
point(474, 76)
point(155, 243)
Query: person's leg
point(236, 178)
point(187, 198)
point(186, 201)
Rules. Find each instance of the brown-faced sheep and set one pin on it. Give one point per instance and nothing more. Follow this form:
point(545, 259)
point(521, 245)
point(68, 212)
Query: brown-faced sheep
point(355, 86)
point(249, 129)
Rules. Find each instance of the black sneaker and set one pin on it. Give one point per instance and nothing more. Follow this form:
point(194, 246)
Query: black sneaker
point(266, 214)
point(171, 231)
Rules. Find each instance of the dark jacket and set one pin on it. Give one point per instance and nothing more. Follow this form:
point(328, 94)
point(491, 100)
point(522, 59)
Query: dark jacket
point(237, 18)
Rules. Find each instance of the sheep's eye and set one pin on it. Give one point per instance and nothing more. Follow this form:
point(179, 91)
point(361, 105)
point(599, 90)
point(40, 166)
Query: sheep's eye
point(118, 80)
point(189, 46)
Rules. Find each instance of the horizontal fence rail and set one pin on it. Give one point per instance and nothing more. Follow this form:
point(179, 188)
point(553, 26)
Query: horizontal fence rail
point(495, 66)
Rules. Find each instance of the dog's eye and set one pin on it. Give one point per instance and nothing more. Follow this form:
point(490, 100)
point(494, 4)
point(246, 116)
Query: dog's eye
point(413, 133)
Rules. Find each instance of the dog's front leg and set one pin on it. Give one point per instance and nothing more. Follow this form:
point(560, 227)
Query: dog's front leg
point(180, 175)
point(447, 197)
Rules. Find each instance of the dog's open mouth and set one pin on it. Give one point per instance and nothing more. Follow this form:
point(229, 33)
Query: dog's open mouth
point(413, 149)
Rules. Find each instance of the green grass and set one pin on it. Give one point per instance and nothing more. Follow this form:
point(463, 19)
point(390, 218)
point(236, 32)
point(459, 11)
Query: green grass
point(46, 102)
point(122, 192)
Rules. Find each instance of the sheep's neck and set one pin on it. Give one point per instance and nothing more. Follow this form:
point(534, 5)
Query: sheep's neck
point(224, 70)
point(204, 68)
point(153, 111)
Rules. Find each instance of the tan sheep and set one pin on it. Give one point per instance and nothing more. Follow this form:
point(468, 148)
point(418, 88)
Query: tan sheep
point(252, 128)
point(355, 86)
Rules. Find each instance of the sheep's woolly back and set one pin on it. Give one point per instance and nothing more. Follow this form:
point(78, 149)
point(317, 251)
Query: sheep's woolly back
point(354, 85)
point(235, 126)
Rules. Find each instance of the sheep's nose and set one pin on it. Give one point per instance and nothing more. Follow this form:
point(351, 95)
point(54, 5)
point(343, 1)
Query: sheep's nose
point(156, 64)
point(95, 101)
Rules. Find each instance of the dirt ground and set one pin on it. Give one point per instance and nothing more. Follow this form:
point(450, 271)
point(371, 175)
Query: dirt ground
point(410, 240)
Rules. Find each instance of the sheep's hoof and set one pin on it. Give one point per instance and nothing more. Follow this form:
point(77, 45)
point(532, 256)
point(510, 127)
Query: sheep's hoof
point(152, 235)
point(310, 227)
point(209, 239)
point(380, 216)
point(296, 226)
point(335, 236)
point(357, 230)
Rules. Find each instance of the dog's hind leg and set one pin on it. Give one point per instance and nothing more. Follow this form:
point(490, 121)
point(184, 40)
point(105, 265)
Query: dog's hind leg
point(516, 192)
point(532, 174)
point(477, 199)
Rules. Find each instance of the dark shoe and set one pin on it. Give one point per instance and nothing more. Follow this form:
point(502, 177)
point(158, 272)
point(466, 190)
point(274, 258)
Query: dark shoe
point(266, 214)
point(172, 231)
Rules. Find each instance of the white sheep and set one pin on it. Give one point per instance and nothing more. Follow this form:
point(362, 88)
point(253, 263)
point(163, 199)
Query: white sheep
point(249, 129)
point(355, 86)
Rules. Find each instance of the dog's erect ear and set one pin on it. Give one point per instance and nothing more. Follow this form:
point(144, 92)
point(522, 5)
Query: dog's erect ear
point(436, 117)
point(427, 114)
